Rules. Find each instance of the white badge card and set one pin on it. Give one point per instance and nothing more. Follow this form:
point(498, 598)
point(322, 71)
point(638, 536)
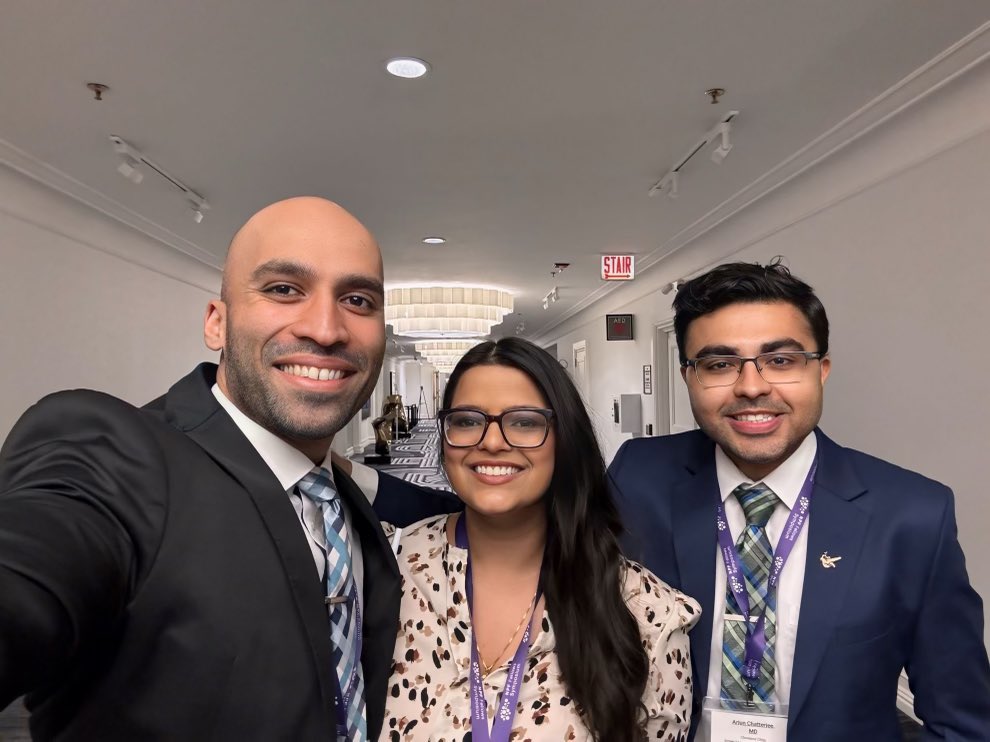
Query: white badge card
point(742, 725)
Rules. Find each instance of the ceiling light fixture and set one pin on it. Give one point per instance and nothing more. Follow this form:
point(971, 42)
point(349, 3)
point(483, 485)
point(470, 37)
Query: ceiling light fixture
point(131, 162)
point(444, 353)
point(434, 240)
point(718, 132)
point(444, 367)
point(445, 311)
point(407, 67)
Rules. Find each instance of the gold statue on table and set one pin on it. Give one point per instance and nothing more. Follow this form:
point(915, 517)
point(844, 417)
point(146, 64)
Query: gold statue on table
point(391, 424)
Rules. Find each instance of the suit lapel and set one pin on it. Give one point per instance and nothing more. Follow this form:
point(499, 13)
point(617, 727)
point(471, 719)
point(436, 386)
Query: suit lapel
point(191, 407)
point(693, 527)
point(837, 525)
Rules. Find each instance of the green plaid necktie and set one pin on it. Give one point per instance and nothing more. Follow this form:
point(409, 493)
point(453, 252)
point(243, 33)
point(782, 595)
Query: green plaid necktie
point(755, 555)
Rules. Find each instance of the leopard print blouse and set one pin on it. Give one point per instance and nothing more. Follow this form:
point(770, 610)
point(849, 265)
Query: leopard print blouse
point(428, 691)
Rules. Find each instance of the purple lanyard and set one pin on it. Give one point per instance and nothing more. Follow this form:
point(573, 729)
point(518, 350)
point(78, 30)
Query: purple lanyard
point(756, 641)
point(342, 700)
point(502, 726)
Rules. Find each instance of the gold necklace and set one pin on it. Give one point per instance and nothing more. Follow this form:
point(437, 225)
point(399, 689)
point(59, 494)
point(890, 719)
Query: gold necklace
point(486, 669)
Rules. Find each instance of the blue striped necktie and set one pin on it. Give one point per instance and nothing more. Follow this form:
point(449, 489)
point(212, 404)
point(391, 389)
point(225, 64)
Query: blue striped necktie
point(755, 555)
point(317, 485)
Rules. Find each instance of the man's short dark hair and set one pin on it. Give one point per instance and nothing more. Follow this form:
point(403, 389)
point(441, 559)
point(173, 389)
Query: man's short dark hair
point(747, 283)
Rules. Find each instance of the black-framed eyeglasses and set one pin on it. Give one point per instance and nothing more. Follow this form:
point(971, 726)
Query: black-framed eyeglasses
point(779, 367)
point(522, 427)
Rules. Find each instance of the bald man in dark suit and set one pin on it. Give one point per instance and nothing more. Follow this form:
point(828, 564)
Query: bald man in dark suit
point(165, 571)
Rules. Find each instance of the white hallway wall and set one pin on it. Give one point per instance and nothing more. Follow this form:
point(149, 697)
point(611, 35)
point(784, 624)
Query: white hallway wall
point(894, 234)
point(87, 302)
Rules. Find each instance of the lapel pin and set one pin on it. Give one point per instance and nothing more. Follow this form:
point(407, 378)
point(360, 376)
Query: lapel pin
point(828, 562)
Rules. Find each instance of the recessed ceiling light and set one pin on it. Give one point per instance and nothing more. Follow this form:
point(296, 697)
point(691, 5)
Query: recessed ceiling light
point(434, 240)
point(408, 67)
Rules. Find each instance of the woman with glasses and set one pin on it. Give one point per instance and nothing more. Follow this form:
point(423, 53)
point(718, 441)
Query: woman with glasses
point(520, 618)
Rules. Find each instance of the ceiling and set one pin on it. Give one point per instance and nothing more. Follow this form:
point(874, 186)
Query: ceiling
point(534, 139)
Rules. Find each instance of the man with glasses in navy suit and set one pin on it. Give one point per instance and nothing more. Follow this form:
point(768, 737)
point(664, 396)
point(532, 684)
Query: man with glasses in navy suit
point(822, 571)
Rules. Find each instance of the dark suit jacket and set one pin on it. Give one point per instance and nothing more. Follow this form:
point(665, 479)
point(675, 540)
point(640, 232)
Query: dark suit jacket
point(155, 582)
point(900, 597)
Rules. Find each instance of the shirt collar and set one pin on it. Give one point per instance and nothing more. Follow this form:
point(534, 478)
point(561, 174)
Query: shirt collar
point(786, 480)
point(287, 462)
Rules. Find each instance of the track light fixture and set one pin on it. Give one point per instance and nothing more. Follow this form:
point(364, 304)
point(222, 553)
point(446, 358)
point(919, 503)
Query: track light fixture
point(551, 298)
point(198, 205)
point(718, 133)
point(130, 169)
point(130, 160)
point(132, 165)
point(724, 146)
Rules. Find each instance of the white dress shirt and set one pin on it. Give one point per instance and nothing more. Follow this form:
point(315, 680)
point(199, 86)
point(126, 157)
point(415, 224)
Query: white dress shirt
point(289, 465)
point(786, 482)
point(366, 479)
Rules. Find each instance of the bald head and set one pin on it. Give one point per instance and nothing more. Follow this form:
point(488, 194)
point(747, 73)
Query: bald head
point(307, 217)
point(300, 320)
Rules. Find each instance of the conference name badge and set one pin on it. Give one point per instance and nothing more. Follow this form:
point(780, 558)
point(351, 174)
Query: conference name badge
point(746, 722)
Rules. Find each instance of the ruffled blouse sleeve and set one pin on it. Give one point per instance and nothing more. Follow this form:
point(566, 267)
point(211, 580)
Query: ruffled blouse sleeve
point(665, 616)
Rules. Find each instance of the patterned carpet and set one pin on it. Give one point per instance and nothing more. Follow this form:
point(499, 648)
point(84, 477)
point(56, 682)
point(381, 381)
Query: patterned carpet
point(417, 459)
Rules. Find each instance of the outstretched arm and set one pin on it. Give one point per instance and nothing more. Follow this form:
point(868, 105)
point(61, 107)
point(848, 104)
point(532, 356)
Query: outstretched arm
point(74, 498)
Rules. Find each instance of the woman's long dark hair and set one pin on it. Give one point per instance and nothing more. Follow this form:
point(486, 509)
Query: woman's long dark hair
point(599, 647)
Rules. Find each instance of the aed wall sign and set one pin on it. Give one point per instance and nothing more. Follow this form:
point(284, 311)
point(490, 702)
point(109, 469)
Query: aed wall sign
point(618, 267)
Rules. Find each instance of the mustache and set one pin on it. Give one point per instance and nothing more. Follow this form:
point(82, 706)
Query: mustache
point(755, 408)
point(358, 361)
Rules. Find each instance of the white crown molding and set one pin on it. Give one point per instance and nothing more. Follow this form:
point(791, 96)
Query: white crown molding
point(958, 59)
point(26, 164)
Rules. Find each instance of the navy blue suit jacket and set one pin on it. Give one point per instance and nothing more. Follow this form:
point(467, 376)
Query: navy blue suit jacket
point(900, 597)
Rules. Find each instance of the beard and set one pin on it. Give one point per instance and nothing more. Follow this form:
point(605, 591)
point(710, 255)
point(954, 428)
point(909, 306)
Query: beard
point(295, 415)
point(760, 451)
